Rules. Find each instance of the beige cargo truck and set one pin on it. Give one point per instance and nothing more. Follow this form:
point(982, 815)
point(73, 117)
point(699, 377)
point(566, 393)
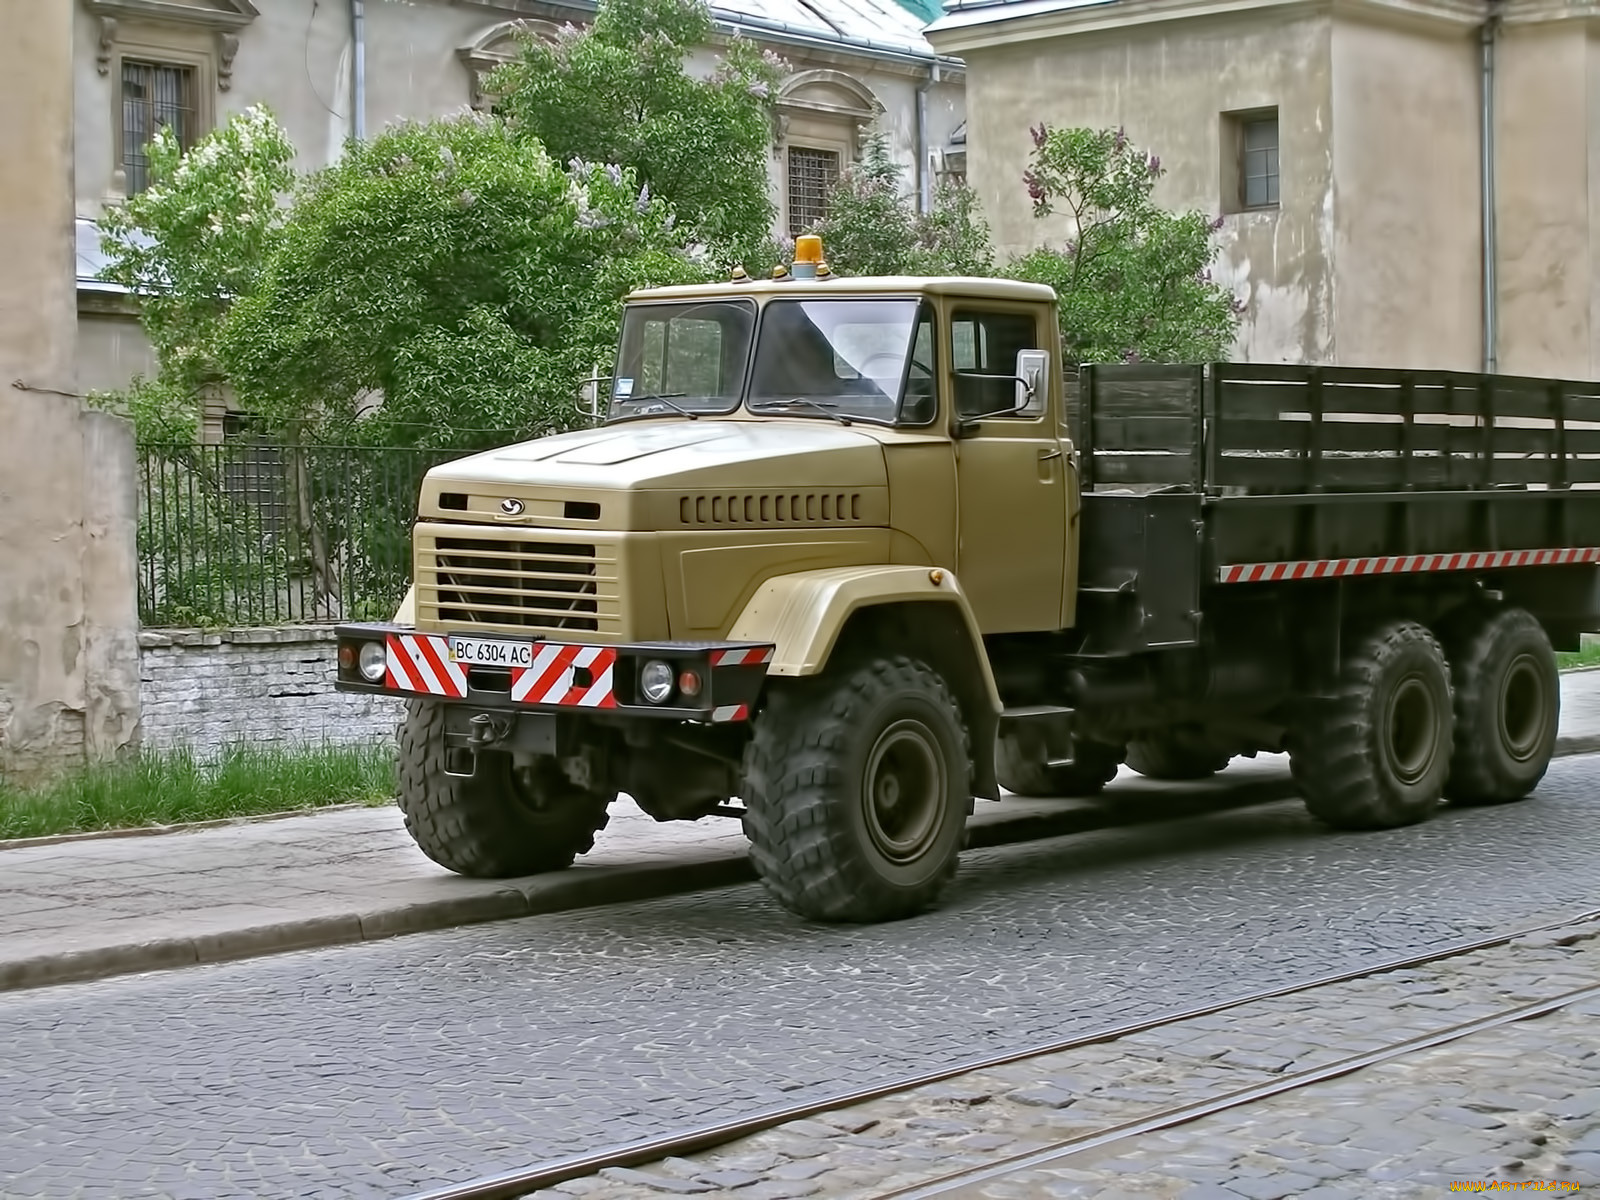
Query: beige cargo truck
point(840, 556)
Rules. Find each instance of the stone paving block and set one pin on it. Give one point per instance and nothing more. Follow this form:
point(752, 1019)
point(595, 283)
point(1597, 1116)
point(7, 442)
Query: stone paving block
point(1043, 1096)
point(1272, 1187)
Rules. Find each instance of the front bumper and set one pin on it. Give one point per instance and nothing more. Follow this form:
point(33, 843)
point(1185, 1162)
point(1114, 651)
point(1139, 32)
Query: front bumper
point(560, 677)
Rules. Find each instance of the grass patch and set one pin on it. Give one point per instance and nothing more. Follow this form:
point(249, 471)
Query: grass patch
point(1587, 656)
point(165, 787)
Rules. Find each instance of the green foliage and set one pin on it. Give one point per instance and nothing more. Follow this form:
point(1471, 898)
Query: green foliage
point(167, 787)
point(873, 226)
point(618, 93)
point(1134, 279)
point(189, 244)
point(454, 270)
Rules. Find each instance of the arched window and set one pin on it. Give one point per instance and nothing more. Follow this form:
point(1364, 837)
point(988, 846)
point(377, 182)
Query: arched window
point(496, 45)
point(823, 118)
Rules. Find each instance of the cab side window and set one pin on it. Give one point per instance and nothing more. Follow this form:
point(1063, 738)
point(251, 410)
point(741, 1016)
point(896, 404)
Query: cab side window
point(921, 403)
point(983, 352)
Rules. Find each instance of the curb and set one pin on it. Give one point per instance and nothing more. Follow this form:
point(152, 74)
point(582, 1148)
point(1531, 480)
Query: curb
point(93, 835)
point(577, 889)
point(542, 895)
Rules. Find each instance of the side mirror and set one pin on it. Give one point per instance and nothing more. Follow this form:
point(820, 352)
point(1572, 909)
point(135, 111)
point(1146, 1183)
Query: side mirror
point(1033, 381)
point(589, 396)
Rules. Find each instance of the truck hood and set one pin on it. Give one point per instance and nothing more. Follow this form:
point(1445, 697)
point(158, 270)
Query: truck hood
point(678, 453)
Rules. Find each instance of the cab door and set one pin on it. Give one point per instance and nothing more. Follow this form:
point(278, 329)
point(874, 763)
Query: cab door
point(1011, 472)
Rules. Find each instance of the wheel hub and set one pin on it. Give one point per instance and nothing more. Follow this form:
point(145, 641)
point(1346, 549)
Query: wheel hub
point(1412, 729)
point(904, 792)
point(1522, 709)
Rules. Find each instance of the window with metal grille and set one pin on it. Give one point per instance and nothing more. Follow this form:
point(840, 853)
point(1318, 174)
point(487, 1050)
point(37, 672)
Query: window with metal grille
point(153, 95)
point(1258, 147)
point(812, 174)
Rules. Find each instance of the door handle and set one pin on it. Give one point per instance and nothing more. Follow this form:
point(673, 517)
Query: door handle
point(1047, 455)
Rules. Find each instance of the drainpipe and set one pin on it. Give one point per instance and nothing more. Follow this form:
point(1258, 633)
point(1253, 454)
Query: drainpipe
point(1489, 36)
point(924, 176)
point(358, 77)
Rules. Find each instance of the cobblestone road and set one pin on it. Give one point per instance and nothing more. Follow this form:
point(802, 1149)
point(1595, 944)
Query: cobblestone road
point(377, 1069)
point(1517, 1103)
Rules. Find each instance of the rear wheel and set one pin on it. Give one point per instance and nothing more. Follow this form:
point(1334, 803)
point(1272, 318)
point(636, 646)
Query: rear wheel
point(1375, 755)
point(1176, 756)
point(857, 792)
point(1507, 706)
point(1023, 767)
point(501, 822)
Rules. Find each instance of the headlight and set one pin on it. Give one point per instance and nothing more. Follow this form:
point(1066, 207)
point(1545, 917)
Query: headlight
point(373, 661)
point(655, 681)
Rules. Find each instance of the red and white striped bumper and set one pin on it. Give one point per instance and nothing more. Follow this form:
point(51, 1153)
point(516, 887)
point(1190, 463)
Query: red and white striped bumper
point(561, 675)
point(420, 663)
point(1343, 568)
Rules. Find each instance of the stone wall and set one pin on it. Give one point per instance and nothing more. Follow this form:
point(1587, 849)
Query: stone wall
point(207, 689)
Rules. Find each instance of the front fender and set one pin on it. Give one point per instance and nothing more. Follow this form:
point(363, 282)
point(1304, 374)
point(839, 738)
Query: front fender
point(803, 614)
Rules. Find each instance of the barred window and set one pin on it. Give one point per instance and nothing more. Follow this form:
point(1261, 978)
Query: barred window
point(812, 174)
point(153, 95)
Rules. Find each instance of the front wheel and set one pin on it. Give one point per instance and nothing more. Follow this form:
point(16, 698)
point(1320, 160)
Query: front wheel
point(857, 792)
point(501, 822)
point(1375, 755)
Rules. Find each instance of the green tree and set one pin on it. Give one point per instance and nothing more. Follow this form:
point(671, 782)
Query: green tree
point(618, 93)
point(1134, 280)
point(446, 284)
point(187, 246)
point(873, 226)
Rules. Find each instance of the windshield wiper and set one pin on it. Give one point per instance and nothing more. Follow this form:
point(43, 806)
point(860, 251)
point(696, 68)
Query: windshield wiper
point(826, 410)
point(665, 398)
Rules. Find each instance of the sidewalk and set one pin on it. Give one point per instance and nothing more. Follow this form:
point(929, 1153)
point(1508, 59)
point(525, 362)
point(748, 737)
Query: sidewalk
point(102, 906)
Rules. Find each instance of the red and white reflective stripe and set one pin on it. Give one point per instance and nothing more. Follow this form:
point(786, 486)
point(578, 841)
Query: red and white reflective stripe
point(419, 663)
point(1343, 568)
point(730, 712)
point(552, 677)
point(746, 656)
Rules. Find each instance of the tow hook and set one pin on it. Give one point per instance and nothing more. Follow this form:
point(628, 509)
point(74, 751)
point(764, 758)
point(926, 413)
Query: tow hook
point(483, 730)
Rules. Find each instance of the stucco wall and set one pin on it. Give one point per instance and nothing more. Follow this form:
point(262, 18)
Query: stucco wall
point(207, 690)
point(1374, 257)
point(1547, 210)
point(66, 476)
point(1407, 249)
point(1169, 85)
point(112, 349)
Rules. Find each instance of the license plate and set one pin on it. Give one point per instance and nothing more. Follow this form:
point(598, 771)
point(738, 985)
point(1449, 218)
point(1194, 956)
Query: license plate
point(479, 653)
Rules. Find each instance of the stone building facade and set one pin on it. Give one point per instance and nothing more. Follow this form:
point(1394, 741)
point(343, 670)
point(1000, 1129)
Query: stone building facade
point(333, 70)
point(1343, 143)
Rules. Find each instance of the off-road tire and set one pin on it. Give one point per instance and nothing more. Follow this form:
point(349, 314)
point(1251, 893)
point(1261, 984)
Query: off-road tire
point(1175, 759)
point(490, 826)
point(1021, 766)
point(1375, 755)
point(816, 838)
point(1507, 705)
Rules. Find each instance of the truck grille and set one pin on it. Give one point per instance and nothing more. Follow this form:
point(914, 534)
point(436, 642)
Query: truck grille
point(537, 585)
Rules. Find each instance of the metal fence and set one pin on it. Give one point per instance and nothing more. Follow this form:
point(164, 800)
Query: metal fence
point(249, 533)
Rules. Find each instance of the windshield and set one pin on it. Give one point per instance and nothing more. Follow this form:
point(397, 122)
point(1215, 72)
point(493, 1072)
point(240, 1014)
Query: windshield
point(682, 357)
point(846, 358)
